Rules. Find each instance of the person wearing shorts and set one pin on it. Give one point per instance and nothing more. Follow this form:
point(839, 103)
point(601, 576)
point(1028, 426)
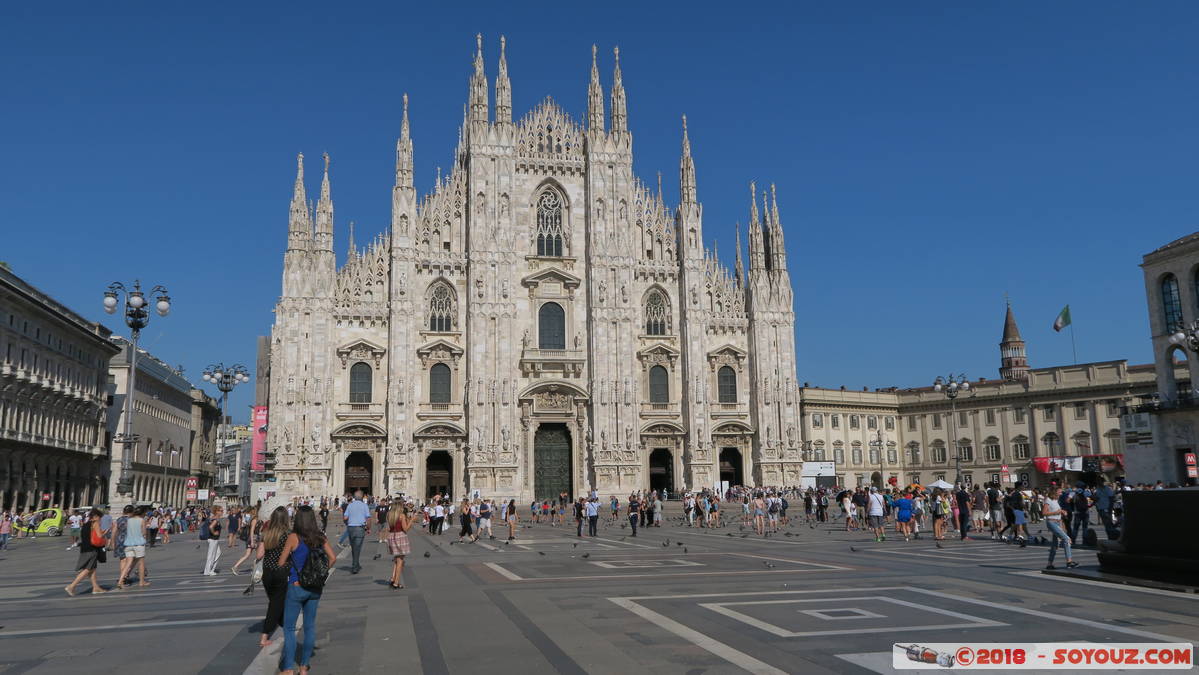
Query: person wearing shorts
point(876, 511)
point(903, 514)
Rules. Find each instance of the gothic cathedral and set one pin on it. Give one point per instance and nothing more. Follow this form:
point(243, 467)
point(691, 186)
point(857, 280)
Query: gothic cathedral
point(541, 322)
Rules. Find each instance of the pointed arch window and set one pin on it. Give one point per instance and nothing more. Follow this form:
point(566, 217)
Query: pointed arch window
point(549, 224)
point(439, 383)
point(1171, 304)
point(443, 313)
point(659, 385)
point(360, 383)
point(657, 314)
point(726, 383)
point(551, 326)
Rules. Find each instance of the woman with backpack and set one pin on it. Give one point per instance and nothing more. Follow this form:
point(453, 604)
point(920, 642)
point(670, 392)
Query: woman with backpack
point(307, 556)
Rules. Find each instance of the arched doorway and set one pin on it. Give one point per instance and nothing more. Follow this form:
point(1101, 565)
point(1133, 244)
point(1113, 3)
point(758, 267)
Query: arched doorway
point(661, 470)
point(730, 466)
point(551, 461)
point(876, 479)
point(439, 473)
point(358, 472)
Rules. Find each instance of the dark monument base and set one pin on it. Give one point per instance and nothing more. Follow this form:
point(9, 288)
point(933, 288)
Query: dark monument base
point(1159, 538)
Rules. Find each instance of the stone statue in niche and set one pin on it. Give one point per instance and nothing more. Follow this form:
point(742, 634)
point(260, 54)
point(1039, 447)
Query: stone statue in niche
point(504, 435)
point(524, 340)
point(624, 293)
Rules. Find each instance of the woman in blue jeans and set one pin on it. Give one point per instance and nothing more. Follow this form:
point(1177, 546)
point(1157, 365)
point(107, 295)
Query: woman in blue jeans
point(306, 536)
point(1052, 511)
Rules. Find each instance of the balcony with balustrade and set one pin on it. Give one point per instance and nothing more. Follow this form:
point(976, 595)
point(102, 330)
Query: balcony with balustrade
point(359, 411)
point(569, 362)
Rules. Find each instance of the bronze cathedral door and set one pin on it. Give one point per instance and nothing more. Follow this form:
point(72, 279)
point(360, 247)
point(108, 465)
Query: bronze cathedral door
point(551, 462)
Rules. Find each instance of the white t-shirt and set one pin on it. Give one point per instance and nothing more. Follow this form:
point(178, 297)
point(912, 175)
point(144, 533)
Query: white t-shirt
point(1052, 505)
point(439, 511)
point(877, 504)
point(75, 520)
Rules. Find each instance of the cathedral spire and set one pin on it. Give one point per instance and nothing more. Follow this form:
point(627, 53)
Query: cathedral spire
point(1013, 363)
point(686, 170)
point(620, 124)
point(324, 214)
point(778, 250)
point(404, 177)
point(739, 267)
point(757, 256)
point(299, 227)
point(352, 249)
point(503, 88)
point(595, 99)
point(478, 87)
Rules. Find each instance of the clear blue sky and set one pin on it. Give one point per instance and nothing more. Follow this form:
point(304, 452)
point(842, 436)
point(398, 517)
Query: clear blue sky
point(929, 156)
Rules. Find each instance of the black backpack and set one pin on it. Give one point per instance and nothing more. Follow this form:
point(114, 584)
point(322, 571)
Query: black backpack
point(316, 569)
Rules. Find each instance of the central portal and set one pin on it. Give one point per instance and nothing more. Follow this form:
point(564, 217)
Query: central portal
point(439, 471)
point(551, 461)
point(358, 472)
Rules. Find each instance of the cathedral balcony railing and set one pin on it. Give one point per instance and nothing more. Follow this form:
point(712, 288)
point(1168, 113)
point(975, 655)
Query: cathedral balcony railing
point(659, 409)
point(566, 361)
point(439, 411)
point(729, 410)
point(360, 410)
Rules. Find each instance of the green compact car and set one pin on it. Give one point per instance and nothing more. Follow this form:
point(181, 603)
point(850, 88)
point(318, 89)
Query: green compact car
point(47, 521)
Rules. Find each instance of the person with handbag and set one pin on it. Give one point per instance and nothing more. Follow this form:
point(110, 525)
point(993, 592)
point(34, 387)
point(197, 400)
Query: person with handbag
point(249, 533)
point(91, 553)
point(274, 577)
point(308, 558)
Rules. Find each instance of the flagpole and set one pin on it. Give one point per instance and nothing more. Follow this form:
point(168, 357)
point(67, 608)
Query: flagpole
point(1073, 348)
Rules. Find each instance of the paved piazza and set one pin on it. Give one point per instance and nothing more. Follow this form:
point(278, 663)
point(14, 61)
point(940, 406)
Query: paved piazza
point(671, 600)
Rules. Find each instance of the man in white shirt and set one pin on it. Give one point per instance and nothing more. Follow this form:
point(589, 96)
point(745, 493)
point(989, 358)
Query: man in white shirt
point(592, 511)
point(74, 523)
point(876, 509)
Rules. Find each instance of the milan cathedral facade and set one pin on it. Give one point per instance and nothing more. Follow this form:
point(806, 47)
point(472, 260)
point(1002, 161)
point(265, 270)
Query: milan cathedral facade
point(541, 322)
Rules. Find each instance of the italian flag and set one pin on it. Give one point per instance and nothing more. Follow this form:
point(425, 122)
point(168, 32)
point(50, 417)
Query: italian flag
point(1062, 320)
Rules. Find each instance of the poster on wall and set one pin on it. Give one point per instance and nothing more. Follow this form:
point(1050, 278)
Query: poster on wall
point(258, 440)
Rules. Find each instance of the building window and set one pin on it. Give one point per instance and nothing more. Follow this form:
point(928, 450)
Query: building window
point(1171, 305)
point(659, 387)
point(838, 453)
point(853, 422)
point(1052, 443)
point(992, 450)
point(989, 417)
point(726, 383)
point(1082, 443)
point(911, 422)
point(818, 451)
point(551, 326)
point(936, 420)
point(1020, 447)
point(1113, 408)
point(657, 314)
point(965, 451)
point(940, 475)
point(1080, 411)
point(835, 421)
point(817, 421)
point(915, 478)
point(968, 478)
point(549, 224)
point(874, 459)
point(442, 314)
point(939, 454)
point(871, 422)
point(914, 452)
point(889, 423)
point(1018, 413)
point(439, 383)
point(963, 418)
point(856, 453)
point(1050, 413)
point(360, 383)
point(1115, 442)
point(892, 454)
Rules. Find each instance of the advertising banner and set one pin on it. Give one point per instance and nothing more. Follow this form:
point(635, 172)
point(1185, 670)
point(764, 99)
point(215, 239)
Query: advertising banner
point(258, 442)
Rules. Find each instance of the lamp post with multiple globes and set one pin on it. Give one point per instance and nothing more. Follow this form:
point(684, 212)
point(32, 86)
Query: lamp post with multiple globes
point(136, 317)
point(951, 387)
point(225, 379)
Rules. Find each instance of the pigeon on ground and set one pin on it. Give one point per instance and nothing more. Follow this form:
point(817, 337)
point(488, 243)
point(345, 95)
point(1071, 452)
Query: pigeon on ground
point(665, 544)
point(728, 534)
point(678, 543)
point(507, 542)
point(586, 555)
point(939, 545)
point(623, 525)
point(853, 549)
point(575, 545)
point(541, 552)
point(742, 536)
point(684, 549)
point(769, 565)
point(428, 555)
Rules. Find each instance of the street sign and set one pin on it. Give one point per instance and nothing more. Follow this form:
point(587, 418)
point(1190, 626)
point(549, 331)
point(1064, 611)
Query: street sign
point(45, 496)
point(193, 482)
point(202, 495)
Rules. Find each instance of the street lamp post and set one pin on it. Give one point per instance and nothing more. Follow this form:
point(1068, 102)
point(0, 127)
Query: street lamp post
point(225, 379)
point(160, 453)
point(951, 387)
point(137, 318)
point(879, 443)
